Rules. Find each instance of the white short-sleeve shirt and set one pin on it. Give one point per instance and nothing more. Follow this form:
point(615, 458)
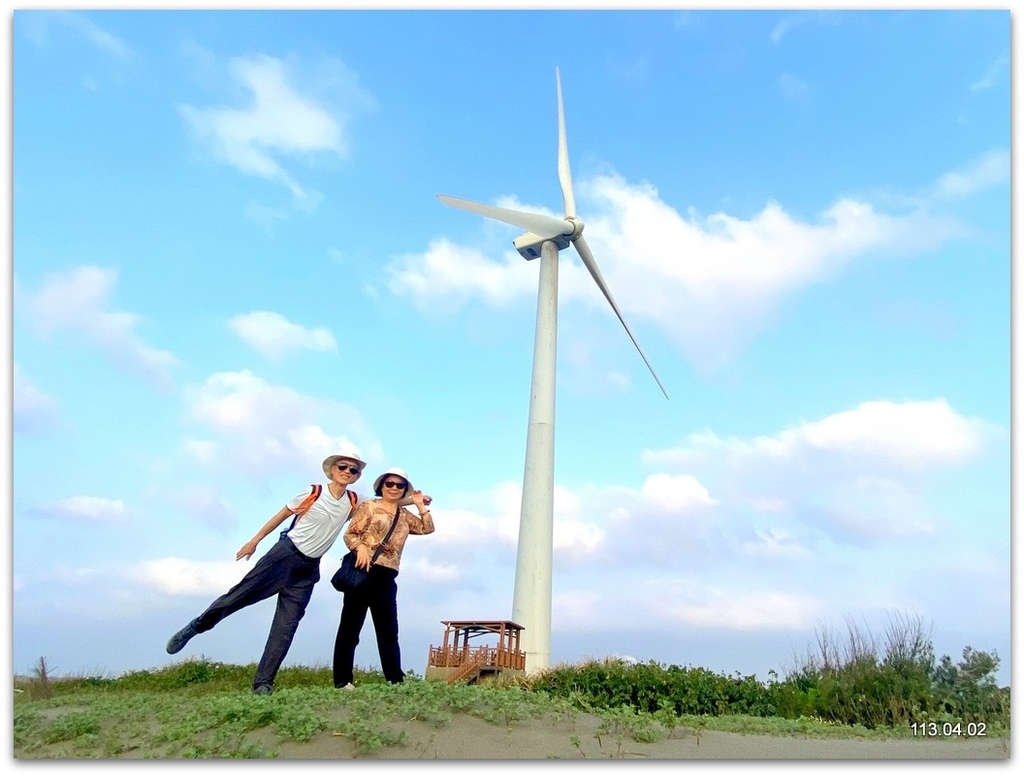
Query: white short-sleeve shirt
point(316, 531)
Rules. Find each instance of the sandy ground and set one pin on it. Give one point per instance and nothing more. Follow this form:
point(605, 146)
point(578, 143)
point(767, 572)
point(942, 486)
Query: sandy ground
point(469, 738)
point(577, 738)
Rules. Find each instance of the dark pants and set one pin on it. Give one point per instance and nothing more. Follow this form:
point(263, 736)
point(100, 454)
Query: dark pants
point(283, 571)
point(379, 595)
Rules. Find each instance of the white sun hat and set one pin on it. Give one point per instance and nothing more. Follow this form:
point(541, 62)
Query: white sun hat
point(349, 455)
point(397, 472)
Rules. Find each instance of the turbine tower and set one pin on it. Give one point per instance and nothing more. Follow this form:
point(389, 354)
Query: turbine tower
point(545, 237)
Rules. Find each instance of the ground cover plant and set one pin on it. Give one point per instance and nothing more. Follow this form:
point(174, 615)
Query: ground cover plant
point(858, 687)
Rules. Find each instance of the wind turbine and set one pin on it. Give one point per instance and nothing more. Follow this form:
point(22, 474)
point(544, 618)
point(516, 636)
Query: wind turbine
point(545, 236)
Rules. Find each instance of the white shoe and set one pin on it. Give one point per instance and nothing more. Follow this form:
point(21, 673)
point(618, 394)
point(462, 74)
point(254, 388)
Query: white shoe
point(349, 686)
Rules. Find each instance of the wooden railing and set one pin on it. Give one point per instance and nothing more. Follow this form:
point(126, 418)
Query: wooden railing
point(447, 657)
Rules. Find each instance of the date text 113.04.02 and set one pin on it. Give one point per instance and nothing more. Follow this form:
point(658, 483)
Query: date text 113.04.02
point(948, 729)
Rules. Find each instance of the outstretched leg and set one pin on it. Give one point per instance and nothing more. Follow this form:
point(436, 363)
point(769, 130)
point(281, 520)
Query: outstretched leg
point(271, 573)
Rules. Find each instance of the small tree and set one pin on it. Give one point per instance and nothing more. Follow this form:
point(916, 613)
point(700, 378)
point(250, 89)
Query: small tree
point(968, 691)
point(40, 687)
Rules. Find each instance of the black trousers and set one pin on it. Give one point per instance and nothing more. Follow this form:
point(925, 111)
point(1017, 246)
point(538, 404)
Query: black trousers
point(283, 571)
point(379, 596)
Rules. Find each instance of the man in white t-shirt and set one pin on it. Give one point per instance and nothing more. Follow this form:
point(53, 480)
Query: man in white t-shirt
point(289, 569)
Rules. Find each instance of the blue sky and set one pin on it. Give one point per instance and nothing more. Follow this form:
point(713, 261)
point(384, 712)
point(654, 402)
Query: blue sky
point(230, 261)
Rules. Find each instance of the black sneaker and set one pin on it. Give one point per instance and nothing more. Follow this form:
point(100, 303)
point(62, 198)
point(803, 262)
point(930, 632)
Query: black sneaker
point(263, 689)
point(181, 638)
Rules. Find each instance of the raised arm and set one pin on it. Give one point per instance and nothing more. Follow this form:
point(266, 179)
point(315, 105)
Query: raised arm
point(407, 501)
point(271, 525)
point(425, 524)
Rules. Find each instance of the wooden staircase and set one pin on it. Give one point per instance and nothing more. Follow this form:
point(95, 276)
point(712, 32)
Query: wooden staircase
point(470, 668)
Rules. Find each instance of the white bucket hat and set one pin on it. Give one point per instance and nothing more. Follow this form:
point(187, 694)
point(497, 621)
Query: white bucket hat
point(350, 455)
point(398, 472)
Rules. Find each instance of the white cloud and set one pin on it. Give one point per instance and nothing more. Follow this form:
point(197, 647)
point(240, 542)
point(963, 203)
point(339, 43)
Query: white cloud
point(266, 216)
point(33, 410)
point(791, 87)
point(909, 435)
point(490, 529)
point(686, 20)
point(774, 543)
point(989, 170)
point(435, 573)
point(180, 577)
point(675, 492)
point(902, 435)
point(202, 450)
point(796, 20)
point(618, 381)
point(492, 517)
point(575, 537)
point(275, 336)
point(709, 282)
point(869, 506)
point(95, 34)
point(260, 429)
point(449, 275)
point(854, 475)
point(76, 302)
point(281, 121)
point(780, 30)
point(84, 508)
point(205, 504)
point(696, 605)
point(37, 29)
point(580, 608)
point(677, 603)
point(995, 70)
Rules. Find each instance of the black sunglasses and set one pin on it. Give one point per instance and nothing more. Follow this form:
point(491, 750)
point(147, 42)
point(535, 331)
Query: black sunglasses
point(350, 469)
point(393, 484)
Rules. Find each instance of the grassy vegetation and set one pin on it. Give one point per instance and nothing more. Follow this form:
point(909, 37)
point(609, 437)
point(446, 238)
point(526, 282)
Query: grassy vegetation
point(887, 683)
point(201, 709)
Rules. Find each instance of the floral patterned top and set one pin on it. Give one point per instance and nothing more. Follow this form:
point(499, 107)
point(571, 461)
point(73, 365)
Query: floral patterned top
point(370, 523)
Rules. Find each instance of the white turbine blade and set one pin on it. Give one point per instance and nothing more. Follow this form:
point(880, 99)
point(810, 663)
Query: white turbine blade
point(588, 260)
point(564, 175)
point(541, 225)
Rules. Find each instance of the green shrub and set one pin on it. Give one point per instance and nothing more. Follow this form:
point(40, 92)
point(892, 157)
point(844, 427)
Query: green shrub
point(860, 680)
point(654, 688)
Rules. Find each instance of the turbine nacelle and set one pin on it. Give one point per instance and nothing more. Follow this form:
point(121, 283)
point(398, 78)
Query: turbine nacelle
point(529, 244)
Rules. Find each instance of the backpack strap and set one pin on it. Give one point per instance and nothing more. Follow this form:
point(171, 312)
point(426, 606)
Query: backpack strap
point(303, 508)
point(314, 494)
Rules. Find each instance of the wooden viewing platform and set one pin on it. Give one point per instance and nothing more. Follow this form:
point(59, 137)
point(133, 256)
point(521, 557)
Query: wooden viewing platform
point(455, 661)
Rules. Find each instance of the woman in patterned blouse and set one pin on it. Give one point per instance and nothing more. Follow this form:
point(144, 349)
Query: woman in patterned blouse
point(370, 523)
